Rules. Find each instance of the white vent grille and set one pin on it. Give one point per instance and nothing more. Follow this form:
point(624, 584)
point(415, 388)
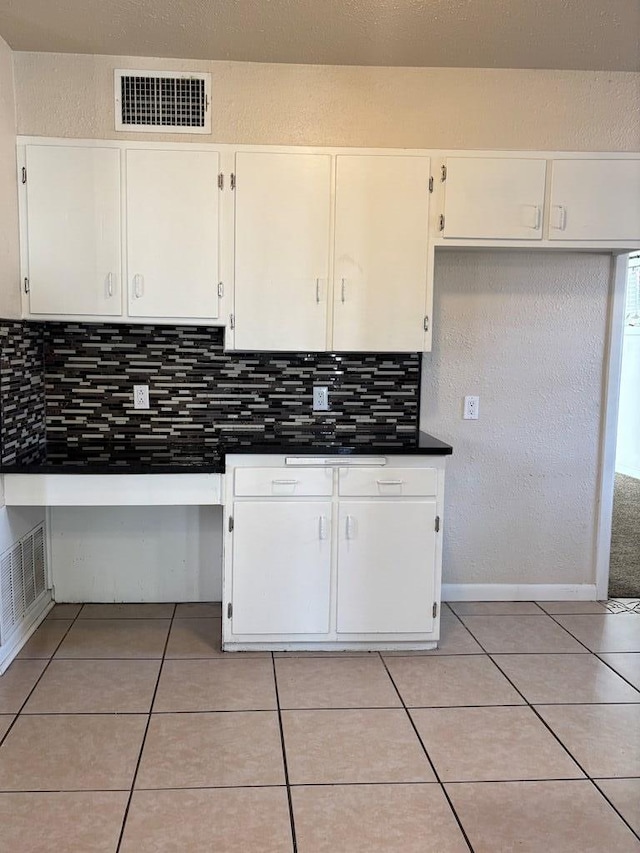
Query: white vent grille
point(22, 580)
point(163, 102)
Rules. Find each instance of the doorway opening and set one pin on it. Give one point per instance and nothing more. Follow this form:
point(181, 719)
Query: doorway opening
point(624, 560)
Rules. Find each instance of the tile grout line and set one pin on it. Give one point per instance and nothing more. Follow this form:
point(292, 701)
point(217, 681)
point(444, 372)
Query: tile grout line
point(144, 736)
point(597, 654)
point(428, 757)
point(615, 671)
point(284, 758)
point(46, 667)
point(548, 727)
point(245, 787)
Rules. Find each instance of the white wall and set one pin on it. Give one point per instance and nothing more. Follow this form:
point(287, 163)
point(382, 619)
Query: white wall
point(9, 252)
point(137, 553)
point(16, 522)
point(628, 441)
point(526, 332)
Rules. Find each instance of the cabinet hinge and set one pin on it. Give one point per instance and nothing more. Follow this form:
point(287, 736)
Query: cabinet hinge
point(442, 222)
point(220, 289)
point(220, 181)
point(431, 184)
point(435, 609)
point(232, 181)
point(443, 173)
point(24, 175)
point(230, 524)
point(437, 523)
point(229, 610)
point(232, 321)
point(27, 286)
point(426, 323)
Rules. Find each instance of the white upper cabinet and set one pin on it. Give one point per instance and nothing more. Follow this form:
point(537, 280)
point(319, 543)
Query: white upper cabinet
point(494, 198)
point(282, 228)
point(72, 220)
point(381, 238)
point(595, 200)
point(172, 233)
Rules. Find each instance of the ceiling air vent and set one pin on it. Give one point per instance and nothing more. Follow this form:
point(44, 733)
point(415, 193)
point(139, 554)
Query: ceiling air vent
point(162, 102)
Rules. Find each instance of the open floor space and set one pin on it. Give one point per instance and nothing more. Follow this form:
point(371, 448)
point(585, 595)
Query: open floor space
point(125, 728)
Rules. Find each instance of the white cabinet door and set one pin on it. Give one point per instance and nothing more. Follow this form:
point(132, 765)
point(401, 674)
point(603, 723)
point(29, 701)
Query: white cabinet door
point(283, 206)
point(380, 283)
point(386, 566)
point(73, 230)
point(595, 200)
point(499, 198)
point(281, 567)
point(172, 233)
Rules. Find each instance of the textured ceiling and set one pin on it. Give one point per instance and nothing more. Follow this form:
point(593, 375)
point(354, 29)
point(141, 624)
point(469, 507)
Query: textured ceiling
point(560, 34)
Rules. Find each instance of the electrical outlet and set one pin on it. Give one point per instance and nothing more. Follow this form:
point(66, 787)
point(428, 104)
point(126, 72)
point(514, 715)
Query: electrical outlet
point(140, 396)
point(471, 408)
point(320, 398)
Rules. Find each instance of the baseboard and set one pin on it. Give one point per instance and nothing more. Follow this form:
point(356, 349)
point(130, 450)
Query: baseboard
point(518, 592)
point(628, 472)
point(33, 617)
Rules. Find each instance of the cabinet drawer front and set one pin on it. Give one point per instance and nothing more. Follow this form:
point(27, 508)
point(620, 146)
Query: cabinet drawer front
point(283, 482)
point(388, 482)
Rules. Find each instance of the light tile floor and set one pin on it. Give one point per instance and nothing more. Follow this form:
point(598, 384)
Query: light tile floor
point(125, 729)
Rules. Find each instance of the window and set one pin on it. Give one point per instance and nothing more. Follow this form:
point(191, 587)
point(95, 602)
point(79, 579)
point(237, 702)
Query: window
point(632, 310)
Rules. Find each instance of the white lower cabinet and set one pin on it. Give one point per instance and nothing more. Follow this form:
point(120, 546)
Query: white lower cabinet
point(336, 555)
point(383, 549)
point(272, 541)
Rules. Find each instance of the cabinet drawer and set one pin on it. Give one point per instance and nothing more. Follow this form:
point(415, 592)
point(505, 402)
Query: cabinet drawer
point(283, 482)
point(388, 482)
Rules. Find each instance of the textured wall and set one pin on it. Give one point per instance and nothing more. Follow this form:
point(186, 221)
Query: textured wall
point(526, 333)
point(9, 254)
point(72, 95)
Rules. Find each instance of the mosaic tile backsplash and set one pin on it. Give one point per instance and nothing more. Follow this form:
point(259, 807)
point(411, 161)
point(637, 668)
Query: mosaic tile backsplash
point(22, 399)
point(198, 392)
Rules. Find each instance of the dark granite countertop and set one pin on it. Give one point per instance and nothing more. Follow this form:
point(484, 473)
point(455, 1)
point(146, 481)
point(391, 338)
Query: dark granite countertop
point(154, 457)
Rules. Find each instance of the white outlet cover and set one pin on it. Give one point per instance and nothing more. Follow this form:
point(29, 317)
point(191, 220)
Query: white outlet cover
point(140, 396)
point(471, 408)
point(320, 398)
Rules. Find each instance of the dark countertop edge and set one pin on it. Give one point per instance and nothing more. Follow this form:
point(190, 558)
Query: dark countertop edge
point(101, 468)
point(426, 445)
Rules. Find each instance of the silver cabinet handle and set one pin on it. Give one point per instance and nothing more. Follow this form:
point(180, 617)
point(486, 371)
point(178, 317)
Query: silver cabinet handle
point(537, 215)
point(389, 482)
point(322, 527)
point(284, 482)
point(561, 217)
point(110, 284)
point(138, 286)
point(342, 290)
point(348, 528)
